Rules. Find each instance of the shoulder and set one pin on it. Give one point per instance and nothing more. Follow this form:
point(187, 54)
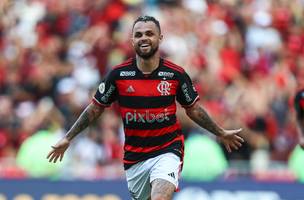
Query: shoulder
point(170, 65)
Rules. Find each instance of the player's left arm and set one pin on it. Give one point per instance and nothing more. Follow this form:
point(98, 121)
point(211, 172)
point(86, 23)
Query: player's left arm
point(229, 138)
point(188, 97)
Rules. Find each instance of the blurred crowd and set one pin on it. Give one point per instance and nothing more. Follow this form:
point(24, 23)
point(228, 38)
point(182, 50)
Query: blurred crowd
point(244, 57)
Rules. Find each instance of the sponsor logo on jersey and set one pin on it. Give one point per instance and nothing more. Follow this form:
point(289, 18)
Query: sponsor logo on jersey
point(164, 88)
point(127, 73)
point(185, 90)
point(146, 117)
point(166, 74)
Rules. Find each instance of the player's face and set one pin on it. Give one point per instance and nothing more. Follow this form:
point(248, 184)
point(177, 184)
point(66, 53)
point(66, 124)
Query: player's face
point(146, 39)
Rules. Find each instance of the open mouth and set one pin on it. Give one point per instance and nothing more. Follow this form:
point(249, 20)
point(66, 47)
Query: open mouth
point(144, 46)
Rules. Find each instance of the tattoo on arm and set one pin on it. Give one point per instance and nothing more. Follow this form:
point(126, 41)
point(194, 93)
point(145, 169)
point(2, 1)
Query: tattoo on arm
point(201, 117)
point(90, 114)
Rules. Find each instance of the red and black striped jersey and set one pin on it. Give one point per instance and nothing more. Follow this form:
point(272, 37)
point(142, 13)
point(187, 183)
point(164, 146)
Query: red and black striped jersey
point(148, 107)
point(299, 104)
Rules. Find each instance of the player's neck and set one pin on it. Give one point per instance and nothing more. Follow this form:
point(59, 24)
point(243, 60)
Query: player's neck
point(147, 65)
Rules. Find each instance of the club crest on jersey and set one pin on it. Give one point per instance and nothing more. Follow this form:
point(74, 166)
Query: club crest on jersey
point(101, 88)
point(164, 88)
point(127, 73)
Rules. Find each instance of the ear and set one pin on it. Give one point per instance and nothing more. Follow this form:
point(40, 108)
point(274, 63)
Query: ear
point(161, 38)
point(132, 41)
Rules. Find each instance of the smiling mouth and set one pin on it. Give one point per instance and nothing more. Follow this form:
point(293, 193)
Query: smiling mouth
point(144, 45)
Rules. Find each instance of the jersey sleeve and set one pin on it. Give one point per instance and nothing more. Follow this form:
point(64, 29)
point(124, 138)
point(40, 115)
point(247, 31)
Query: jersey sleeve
point(186, 93)
point(299, 104)
point(106, 93)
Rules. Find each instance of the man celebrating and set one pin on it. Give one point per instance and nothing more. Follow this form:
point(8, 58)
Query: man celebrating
point(147, 88)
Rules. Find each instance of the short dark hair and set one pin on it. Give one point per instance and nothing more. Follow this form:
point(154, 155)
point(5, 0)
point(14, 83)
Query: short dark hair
point(146, 18)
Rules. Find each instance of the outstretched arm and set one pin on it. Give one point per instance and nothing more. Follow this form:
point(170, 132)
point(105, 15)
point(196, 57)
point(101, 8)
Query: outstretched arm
point(228, 137)
point(90, 114)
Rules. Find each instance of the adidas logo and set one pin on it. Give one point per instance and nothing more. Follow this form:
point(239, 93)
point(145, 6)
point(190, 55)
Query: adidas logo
point(172, 175)
point(130, 89)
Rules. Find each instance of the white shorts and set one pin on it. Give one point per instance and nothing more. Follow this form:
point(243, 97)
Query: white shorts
point(140, 176)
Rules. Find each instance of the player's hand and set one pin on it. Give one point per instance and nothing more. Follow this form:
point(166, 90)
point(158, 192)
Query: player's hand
point(58, 150)
point(231, 139)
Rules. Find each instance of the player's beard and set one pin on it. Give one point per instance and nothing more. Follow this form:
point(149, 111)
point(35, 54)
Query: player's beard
point(146, 55)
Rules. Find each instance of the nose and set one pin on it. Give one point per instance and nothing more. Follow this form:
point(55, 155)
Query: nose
point(144, 37)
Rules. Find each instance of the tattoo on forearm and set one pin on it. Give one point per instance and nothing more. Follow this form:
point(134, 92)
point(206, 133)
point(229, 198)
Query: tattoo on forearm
point(201, 117)
point(90, 114)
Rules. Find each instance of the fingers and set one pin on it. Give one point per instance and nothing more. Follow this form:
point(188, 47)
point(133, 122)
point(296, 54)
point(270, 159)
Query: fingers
point(234, 146)
point(61, 157)
point(239, 138)
point(54, 155)
point(51, 152)
point(228, 148)
point(233, 143)
point(237, 143)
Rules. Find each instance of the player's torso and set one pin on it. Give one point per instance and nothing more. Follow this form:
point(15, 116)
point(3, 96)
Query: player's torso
point(148, 105)
point(146, 99)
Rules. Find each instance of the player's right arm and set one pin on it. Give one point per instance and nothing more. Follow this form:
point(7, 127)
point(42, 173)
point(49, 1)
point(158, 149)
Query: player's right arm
point(89, 115)
point(105, 95)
